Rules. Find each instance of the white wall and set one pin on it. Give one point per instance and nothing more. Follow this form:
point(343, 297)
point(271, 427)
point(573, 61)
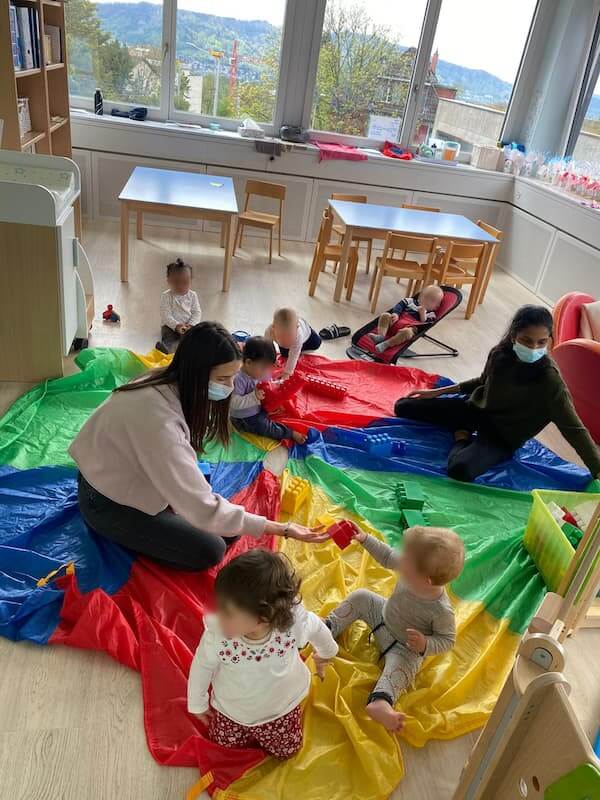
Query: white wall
point(552, 242)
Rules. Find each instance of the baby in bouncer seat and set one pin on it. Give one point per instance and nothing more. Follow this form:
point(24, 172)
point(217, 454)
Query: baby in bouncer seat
point(422, 308)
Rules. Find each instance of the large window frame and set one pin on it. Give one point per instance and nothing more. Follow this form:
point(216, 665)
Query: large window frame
point(590, 79)
point(300, 48)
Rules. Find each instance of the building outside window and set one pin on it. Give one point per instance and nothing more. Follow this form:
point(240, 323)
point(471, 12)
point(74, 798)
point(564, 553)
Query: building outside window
point(587, 146)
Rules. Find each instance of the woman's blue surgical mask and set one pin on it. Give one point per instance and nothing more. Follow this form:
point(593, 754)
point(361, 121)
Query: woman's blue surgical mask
point(218, 391)
point(527, 354)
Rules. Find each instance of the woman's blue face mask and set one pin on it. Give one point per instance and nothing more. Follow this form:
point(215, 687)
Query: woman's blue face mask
point(527, 354)
point(218, 391)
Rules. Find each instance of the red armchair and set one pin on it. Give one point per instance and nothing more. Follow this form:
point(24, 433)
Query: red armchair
point(578, 360)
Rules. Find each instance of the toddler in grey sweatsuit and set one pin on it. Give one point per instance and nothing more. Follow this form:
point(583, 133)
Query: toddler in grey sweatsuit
point(416, 621)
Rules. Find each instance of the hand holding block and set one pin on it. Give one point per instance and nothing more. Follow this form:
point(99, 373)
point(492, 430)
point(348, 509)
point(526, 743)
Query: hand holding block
point(295, 494)
point(278, 393)
point(326, 388)
point(342, 533)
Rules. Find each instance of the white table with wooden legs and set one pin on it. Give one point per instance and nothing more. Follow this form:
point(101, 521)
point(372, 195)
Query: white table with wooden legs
point(178, 194)
point(375, 220)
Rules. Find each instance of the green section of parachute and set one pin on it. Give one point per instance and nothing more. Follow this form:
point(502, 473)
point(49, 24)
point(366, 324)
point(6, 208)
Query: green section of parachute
point(498, 570)
point(39, 427)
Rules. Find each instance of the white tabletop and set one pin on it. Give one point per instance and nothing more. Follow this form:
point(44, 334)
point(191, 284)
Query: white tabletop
point(408, 220)
point(185, 189)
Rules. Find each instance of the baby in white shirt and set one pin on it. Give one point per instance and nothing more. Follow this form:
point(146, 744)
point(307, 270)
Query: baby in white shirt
point(249, 654)
point(179, 306)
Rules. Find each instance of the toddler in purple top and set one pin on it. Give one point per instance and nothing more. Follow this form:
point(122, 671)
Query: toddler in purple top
point(245, 409)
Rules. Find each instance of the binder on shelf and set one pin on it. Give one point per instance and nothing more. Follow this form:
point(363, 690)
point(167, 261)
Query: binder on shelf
point(25, 38)
point(14, 38)
point(35, 37)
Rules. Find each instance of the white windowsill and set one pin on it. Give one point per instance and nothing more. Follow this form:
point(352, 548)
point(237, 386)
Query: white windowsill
point(233, 137)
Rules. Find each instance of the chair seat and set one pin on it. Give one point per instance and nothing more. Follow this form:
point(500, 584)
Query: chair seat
point(399, 266)
point(259, 219)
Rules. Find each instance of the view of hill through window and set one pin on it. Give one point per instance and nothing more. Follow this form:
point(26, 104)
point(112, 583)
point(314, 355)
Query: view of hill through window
point(227, 62)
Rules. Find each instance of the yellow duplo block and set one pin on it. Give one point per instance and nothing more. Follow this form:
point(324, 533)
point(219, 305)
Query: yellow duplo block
point(295, 493)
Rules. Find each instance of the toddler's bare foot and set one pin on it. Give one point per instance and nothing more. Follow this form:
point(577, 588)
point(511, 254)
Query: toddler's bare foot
point(299, 438)
point(381, 711)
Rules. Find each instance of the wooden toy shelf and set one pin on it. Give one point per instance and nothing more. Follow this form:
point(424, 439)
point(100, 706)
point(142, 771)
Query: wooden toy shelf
point(46, 87)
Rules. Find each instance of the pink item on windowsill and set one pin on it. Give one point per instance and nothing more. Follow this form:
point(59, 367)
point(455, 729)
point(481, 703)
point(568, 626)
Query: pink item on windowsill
point(334, 150)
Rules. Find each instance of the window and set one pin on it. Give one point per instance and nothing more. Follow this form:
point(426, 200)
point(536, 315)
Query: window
point(475, 60)
point(587, 145)
point(117, 47)
point(227, 58)
point(366, 61)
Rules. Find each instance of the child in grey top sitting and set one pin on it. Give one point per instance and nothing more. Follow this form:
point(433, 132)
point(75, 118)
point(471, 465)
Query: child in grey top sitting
point(246, 414)
point(416, 621)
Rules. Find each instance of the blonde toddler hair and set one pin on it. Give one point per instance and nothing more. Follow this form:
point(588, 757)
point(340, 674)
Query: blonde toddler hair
point(439, 553)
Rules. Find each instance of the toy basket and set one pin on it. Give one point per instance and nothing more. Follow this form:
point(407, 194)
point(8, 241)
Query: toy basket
point(545, 541)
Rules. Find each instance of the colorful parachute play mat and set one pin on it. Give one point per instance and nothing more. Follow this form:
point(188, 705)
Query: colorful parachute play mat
point(149, 618)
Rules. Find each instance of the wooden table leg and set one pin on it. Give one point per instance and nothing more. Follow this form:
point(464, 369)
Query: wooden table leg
point(223, 231)
point(343, 265)
point(228, 227)
point(139, 224)
point(124, 241)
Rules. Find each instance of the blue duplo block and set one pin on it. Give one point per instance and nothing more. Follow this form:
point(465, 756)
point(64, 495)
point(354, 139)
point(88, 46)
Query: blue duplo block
point(206, 469)
point(351, 438)
point(399, 448)
point(380, 444)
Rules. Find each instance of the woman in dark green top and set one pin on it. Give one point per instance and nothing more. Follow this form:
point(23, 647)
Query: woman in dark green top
point(519, 392)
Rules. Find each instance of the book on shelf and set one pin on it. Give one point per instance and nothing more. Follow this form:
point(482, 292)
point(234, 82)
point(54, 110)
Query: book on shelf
point(53, 31)
point(35, 37)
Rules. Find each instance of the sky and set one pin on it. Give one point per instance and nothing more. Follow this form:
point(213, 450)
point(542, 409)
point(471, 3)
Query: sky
point(467, 34)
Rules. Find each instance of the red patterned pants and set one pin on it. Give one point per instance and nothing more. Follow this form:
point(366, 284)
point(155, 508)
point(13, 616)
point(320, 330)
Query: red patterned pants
point(280, 738)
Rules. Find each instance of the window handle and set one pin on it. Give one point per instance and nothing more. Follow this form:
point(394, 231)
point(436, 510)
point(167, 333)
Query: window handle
point(165, 51)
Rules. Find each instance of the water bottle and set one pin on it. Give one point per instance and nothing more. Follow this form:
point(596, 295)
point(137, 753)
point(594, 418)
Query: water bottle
point(98, 102)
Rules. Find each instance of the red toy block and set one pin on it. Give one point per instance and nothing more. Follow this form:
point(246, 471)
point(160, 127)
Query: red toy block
point(277, 393)
point(342, 533)
point(326, 388)
point(110, 315)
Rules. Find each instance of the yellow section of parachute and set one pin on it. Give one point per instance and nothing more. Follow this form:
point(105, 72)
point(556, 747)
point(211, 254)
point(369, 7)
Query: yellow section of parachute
point(347, 754)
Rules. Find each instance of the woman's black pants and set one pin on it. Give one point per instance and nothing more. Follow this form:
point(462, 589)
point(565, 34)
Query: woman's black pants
point(470, 457)
point(165, 537)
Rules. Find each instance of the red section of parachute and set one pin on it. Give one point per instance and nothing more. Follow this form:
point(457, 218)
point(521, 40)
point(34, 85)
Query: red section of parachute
point(372, 391)
point(153, 624)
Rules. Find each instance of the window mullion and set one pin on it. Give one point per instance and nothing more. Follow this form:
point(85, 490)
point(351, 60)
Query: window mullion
point(167, 74)
point(417, 84)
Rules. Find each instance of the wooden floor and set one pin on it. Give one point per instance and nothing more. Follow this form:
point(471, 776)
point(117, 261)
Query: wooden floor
point(71, 722)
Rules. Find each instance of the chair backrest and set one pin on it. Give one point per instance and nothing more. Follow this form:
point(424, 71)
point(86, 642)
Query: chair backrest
point(349, 198)
point(464, 252)
point(264, 189)
point(495, 232)
point(410, 244)
point(420, 208)
point(326, 227)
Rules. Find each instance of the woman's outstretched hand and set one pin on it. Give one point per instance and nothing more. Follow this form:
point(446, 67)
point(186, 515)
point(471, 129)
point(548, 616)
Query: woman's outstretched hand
point(421, 394)
point(299, 532)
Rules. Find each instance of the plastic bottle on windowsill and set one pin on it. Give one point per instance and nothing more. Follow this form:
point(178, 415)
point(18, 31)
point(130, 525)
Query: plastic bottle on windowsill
point(98, 103)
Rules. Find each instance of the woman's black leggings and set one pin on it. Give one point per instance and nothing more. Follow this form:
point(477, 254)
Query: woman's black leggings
point(166, 537)
point(468, 458)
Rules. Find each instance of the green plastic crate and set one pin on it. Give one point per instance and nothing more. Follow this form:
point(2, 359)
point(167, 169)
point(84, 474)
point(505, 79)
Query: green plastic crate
point(544, 540)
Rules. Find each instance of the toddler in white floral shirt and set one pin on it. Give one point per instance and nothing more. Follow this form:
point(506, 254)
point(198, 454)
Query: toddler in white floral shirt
point(249, 655)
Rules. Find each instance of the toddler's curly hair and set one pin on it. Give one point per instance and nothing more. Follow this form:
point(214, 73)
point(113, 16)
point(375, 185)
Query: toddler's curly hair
point(262, 583)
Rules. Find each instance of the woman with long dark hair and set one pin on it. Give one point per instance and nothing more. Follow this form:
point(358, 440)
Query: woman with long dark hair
point(139, 482)
point(519, 392)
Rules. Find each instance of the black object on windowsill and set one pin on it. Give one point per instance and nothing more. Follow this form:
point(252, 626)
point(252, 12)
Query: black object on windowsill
point(139, 114)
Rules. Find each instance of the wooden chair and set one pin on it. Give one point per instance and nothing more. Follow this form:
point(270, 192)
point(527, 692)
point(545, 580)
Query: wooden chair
point(326, 251)
point(339, 229)
point(260, 219)
point(415, 272)
point(461, 264)
point(416, 208)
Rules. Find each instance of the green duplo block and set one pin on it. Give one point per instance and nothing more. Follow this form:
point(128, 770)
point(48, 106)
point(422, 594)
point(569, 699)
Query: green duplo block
point(582, 783)
point(411, 517)
point(410, 495)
